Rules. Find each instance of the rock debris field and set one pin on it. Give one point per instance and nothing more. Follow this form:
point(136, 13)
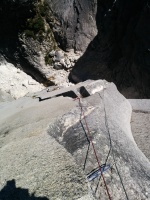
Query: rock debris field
point(15, 82)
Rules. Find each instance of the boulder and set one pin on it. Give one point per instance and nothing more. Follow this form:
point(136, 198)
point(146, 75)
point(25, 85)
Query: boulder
point(58, 66)
point(5, 96)
point(59, 55)
point(62, 61)
point(25, 83)
point(52, 53)
point(32, 82)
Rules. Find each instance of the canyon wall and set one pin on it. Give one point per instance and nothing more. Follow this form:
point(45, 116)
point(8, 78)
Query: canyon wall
point(113, 36)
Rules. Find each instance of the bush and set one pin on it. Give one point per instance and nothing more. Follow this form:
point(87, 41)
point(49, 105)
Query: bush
point(43, 9)
point(48, 60)
point(36, 24)
point(29, 33)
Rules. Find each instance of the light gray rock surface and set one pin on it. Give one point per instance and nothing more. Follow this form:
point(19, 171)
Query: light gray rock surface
point(141, 105)
point(36, 160)
point(5, 96)
point(40, 164)
point(140, 124)
point(15, 83)
point(133, 166)
point(43, 145)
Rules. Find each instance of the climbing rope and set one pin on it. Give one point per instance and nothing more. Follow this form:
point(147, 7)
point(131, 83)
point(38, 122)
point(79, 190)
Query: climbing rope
point(91, 141)
point(111, 147)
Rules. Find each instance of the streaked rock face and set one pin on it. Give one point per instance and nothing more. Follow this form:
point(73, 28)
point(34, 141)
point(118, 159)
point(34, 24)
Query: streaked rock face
point(77, 24)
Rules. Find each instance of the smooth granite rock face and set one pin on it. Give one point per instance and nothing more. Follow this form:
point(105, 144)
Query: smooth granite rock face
point(45, 151)
point(42, 166)
point(140, 124)
point(33, 165)
point(108, 115)
point(45, 140)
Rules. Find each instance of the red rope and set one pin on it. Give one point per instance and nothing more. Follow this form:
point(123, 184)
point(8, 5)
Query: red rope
point(90, 138)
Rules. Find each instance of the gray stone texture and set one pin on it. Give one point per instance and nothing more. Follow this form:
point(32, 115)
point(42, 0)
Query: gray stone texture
point(77, 26)
point(120, 51)
point(140, 124)
point(106, 111)
point(30, 157)
point(43, 145)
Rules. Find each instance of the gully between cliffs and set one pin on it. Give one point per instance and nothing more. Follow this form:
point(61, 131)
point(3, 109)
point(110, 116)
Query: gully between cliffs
point(114, 35)
point(121, 50)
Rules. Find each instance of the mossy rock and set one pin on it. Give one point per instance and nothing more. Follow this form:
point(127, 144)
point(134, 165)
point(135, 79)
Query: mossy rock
point(39, 29)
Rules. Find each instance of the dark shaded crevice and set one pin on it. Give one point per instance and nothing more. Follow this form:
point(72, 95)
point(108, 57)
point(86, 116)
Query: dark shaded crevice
point(119, 53)
point(77, 14)
point(70, 94)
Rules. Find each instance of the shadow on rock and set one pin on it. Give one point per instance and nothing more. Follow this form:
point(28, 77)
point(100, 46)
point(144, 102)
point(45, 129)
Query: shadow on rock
point(11, 192)
point(120, 52)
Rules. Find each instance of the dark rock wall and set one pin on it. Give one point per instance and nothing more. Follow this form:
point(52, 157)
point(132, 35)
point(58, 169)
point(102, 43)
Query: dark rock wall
point(77, 26)
point(121, 50)
point(13, 15)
